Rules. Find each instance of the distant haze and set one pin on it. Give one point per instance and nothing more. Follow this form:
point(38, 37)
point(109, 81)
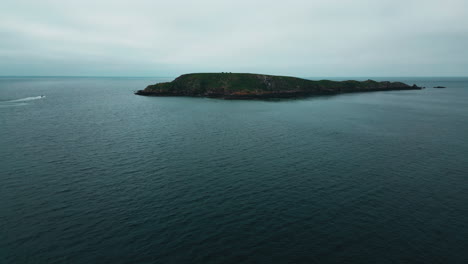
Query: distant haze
point(168, 38)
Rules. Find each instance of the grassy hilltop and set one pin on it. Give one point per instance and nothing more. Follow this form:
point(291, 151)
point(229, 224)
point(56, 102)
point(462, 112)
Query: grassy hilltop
point(252, 86)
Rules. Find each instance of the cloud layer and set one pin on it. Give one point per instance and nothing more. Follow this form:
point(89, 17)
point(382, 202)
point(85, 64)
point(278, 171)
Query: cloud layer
point(167, 38)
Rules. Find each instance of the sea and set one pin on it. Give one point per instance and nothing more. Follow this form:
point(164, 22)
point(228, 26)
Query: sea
point(91, 173)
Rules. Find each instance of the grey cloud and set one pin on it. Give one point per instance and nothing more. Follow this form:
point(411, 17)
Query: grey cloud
point(167, 38)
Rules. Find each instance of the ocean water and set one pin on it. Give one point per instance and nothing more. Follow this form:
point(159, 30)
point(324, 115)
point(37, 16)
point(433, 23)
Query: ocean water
point(90, 173)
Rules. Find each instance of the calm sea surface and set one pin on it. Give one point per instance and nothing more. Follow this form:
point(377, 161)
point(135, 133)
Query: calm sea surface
point(91, 173)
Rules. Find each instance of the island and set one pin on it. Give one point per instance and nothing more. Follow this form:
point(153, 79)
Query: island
point(261, 86)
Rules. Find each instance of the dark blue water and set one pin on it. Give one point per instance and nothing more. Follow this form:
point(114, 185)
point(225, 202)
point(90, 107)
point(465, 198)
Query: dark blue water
point(91, 173)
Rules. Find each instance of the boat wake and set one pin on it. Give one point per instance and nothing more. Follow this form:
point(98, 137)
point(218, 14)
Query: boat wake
point(25, 99)
point(21, 101)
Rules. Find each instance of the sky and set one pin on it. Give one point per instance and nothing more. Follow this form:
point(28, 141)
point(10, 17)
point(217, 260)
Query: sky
point(330, 38)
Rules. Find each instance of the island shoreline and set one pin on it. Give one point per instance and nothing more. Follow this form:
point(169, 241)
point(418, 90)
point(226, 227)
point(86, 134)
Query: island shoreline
point(245, 86)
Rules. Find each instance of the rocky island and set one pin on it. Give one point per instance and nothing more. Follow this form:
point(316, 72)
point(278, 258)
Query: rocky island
point(260, 86)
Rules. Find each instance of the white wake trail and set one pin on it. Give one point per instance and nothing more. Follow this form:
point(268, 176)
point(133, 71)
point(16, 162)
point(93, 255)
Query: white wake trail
point(26, 99)
point(20, 102)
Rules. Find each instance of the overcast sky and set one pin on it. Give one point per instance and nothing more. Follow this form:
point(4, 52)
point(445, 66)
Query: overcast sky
point(168, 38)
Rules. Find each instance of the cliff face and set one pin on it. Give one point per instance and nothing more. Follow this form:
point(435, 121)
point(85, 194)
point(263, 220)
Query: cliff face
point(259, 86)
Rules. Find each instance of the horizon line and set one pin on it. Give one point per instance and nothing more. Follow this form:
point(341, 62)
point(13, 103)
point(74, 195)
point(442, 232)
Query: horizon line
point(111, 76)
